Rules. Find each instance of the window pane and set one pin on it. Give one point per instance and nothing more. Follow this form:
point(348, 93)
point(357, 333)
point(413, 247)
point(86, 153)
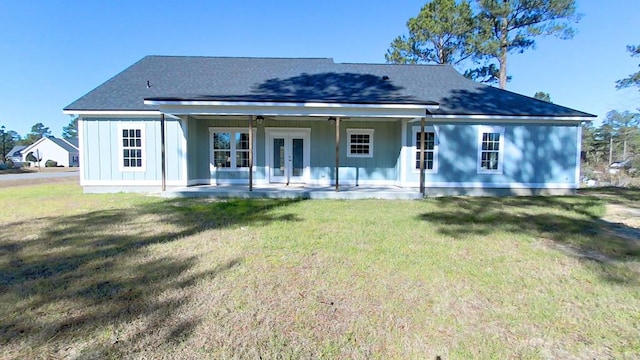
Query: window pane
point(429, 140)
point(222, 141)
point(242, 159)
point(222, 159)
point(138, 143)
point(242, 141)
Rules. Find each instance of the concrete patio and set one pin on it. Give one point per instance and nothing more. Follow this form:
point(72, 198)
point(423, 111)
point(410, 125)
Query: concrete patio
point(295, 191)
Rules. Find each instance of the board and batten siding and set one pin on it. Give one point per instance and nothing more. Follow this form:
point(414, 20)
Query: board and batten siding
point(381, 168)
point(537, 156)
point(101, 154)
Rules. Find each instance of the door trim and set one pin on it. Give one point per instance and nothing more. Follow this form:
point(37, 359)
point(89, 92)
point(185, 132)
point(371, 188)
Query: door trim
point(305, 133)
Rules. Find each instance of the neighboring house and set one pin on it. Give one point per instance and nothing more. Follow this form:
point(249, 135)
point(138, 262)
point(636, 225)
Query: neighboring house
point(59, 150)
point(184, 121)
point(15, 155)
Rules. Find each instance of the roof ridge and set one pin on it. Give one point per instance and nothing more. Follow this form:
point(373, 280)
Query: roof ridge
point(240, 57)
point(391, 64)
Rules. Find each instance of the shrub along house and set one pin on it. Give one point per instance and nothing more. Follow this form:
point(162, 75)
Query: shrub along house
point(172, 122)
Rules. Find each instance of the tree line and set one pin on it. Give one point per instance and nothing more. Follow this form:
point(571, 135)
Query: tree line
point(11, 138)
point(617, 139)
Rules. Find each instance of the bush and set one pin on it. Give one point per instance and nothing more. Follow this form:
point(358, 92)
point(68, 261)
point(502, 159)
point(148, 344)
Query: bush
point(51, 163)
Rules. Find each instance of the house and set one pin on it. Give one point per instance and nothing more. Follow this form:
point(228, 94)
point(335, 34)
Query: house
point(15, 155)
point(62, 151)
point(168, 122)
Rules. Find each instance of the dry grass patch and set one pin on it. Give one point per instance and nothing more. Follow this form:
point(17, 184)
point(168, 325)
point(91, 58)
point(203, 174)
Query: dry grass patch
point(112, 276)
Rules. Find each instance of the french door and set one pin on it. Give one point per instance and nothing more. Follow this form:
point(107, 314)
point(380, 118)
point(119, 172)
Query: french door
point(288, 154)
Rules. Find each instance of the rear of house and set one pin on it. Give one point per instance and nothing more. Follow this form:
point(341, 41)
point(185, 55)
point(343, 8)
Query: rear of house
point(170, 122)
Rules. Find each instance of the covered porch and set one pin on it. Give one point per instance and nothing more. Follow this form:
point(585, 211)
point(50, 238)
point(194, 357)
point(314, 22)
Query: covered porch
point(300, 150)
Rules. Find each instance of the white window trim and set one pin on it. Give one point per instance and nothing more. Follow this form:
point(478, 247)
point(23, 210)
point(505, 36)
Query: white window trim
point(357, 131)
point(132, 126)
point(414, 148)
point(213, 130)
point(491, 129)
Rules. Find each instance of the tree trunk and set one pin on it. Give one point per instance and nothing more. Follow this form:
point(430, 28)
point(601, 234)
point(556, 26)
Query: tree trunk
point(503, 51)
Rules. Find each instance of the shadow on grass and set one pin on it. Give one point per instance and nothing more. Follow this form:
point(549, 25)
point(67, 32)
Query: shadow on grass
point(78, 275)
point(615, 195)
point(572, 224)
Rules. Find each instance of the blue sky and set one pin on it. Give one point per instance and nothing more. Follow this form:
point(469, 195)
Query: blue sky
point(53, 52)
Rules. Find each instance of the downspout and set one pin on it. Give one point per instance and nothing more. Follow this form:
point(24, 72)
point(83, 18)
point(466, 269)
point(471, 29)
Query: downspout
point(163, 166)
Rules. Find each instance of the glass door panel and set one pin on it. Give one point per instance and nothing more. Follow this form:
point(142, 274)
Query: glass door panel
point(297, 157)
point(279, 164)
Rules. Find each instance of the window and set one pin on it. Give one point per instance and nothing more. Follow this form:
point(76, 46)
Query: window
point(230, 148)
point(490, 149)
point(430, 149)
point(360, 142)
point(132, 151)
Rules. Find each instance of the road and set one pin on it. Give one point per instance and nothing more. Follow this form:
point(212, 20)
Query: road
point(38, 175)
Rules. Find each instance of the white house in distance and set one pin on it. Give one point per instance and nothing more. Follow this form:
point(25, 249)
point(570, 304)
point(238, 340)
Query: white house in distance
point(62, 151)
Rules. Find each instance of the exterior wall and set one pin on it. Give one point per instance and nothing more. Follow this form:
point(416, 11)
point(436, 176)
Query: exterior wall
point(537, 159)
point(49, 150)
point(540, 156)
point(101, 153)
point(381, 168)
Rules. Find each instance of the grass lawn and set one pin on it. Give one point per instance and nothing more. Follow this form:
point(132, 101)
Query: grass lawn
point(113, 276)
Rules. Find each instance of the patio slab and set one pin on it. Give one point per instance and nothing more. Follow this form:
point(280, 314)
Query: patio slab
point(295, 192)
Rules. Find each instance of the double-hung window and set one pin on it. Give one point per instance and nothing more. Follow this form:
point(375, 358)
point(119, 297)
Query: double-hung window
point(430, 149)
point(490, 149)
point(132, 150)
point(360, 142)
point(230, 148)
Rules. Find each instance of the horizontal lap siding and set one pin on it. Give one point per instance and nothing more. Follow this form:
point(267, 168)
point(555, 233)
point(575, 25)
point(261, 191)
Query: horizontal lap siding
point(533, 154)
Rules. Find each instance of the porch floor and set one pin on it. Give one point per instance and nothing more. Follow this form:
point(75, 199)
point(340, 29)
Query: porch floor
point(295, 191)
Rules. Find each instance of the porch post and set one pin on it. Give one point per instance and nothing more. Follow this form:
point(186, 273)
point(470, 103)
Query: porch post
point(250, 153)
point(337, 152)
point(422, 123)
point(163, 166)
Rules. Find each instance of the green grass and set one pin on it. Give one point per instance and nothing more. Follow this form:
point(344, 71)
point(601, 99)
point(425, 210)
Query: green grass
point(112, 276)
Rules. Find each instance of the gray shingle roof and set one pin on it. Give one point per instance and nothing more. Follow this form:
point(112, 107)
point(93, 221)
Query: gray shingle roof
point(305, 80)
point(63, 144)
point(15, 149)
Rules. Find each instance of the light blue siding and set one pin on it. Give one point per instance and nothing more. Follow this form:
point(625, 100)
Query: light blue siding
point(382, 166)
point(533, 154)
point(101, 151)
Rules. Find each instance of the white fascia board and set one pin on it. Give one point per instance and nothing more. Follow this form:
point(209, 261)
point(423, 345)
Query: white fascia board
point(117, 113)
point(289, 104)
point(487, 118)
point(352, 112)
point(27, 149)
